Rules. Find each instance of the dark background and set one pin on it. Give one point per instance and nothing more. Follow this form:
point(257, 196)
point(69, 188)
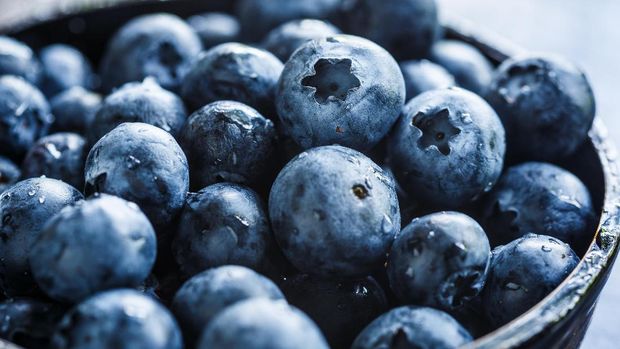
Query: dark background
point(585, 31)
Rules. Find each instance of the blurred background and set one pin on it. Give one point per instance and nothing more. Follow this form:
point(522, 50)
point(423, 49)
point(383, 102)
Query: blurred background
point(584, 31)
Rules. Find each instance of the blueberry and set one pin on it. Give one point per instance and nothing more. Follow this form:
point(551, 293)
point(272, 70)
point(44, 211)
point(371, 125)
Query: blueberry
point(546, 105)
point(522, 273)
point(341, 89)
point(447, 148)
point(439, 260)
point(24, 209)
point(140, 163)
point(258, 17)
point(205, 295)
point(158, 45)
point(102, 243)
point(139, 102)
point(334, 212)
point(223, 224)
point(236, 72)
point(24, 116)
point(539, 197)
point(18, 59)
point(118, 319)
point(60, 156)
point(74, 110)
point(9, 173)
point(423, 75)
point(214, 28)
point(63, 67)
point(413, 327)
point(469, 67)
point(406, 28)
point(283, 40)
point(227, 141)
point(341, 308)
point(262, 324)
point(28, 322)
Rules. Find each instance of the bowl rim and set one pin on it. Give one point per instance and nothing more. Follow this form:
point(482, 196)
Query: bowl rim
point(603, 249)
point(600, 254)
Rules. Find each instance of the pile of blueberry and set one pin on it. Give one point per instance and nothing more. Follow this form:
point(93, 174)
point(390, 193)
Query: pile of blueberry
point(383, 188)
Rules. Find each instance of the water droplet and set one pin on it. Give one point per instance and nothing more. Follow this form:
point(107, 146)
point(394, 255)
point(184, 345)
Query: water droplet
point(368, 183)
point(31, 192)
point(430, 235)
point(52, 150)
point(166, 127)
point(361, 290)
point(466, 118)
point(386, 224)
point(545, 248)
point(525, 89)
point(460, 246)
point(570, 200)
point(488, 187)
point(512, 286)
point(302, 155)
point(132, 162)
point(243, 221)
point(41, 199)
point(409, 272)
point(133, 206)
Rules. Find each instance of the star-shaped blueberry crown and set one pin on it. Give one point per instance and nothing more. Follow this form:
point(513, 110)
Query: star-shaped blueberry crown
point(437, 129)
point(332, 78)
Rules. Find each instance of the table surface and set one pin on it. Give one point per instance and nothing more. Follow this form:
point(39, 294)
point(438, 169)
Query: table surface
point(583, 31)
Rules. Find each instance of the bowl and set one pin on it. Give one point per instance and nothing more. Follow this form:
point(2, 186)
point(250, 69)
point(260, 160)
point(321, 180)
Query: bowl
point(561, 319)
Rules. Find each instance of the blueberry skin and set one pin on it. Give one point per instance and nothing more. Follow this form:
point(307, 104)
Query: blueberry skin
point(258, 17)
point(522, 273)
point(447, 148)
point(214, 28)
point(233, 71)
point(63, 67)
point(9, 173)
point(413, 327)
point(546, 104)
point(406, 28)
point(60, 156)
point(228, 141)
point(439, 260)
point(341, 89)
point(470, 68)
point(423, 75)
point(24, 116)
point(283, 40)
point(121, 319)
point(334, 212)
point(143, 164)
point(205, 295)
point(143, 102)
point(102, 243)
point(16, 58)
point(158, 45)
point(539, 197)
point(74, 110)
point(262, 324)
point(222, 224)
point(24, 209)
point(29, 322)
point(341, 308)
